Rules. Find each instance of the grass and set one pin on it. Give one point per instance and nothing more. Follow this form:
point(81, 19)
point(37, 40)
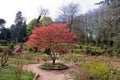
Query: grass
point(7, 73)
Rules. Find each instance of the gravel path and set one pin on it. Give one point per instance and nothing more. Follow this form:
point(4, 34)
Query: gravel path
point(44, 75)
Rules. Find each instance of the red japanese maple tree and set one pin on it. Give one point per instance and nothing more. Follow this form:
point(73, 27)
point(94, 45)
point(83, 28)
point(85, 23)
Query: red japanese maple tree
point(54, 37)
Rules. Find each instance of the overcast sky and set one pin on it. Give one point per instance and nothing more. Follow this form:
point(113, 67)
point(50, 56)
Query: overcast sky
point(30, 8)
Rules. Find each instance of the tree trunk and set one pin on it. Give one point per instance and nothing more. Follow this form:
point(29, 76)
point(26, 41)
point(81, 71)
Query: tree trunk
point(53, 57)
point(54, 61)
point(35, 49)
point(37, 21)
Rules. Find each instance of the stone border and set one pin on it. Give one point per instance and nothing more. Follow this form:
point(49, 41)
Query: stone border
point(45, 68)
point(36, 76)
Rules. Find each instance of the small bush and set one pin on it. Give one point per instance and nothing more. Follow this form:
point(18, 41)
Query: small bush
point(80, 47)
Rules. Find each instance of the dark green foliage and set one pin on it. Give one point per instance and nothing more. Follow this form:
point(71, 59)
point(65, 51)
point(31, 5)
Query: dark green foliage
point(5, 34)
point(18, 30)
point(3, 43)
point(31, 26)
point(117, 44)
point(81, 47)
point(2, 21)
point(11, 45)
point(47, 51)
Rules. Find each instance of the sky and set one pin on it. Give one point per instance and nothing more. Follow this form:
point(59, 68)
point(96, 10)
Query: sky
point(30, 8)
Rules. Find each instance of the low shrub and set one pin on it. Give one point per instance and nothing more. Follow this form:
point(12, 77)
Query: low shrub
point(80, 47)
point(94, 71)
point(99, 71)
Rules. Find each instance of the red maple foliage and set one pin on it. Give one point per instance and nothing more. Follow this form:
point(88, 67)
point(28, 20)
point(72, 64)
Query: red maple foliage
point(53, 36)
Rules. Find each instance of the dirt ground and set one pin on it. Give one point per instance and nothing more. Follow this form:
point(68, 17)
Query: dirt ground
point(57, 74)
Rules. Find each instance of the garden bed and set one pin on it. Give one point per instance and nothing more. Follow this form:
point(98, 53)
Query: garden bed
point(50, 66)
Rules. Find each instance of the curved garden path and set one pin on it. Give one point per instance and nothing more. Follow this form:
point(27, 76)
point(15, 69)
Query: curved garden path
point(46, 74)
point(56, 75)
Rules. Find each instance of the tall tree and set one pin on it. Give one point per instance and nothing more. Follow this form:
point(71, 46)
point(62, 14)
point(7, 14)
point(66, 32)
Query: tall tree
point(44, 22)
point(30, 26)
point(19, 18)
point(2, 22)
point(4, 33)
point(18, 30)
point(112, 20)
point(36, 22)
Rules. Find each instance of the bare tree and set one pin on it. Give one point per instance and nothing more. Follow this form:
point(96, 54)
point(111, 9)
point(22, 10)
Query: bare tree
point(42, 12)
point(69, 12)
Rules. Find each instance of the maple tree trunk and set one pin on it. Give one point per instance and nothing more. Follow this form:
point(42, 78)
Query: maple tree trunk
point(53, 57)
point(54, 61)
point(35, 49)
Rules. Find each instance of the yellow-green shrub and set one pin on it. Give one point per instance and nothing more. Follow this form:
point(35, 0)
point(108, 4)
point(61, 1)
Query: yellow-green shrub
point(99, 71)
